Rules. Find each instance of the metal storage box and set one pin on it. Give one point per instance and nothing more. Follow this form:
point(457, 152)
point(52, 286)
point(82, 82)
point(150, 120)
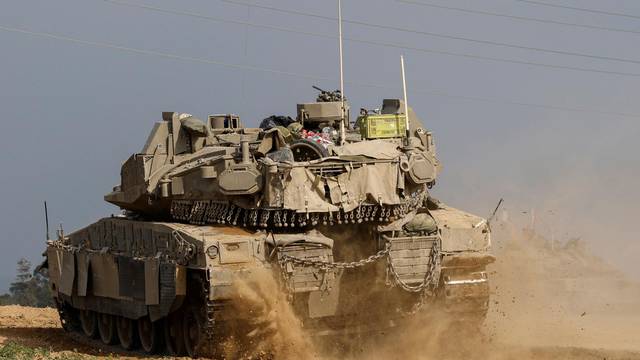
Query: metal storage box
point(381, 126)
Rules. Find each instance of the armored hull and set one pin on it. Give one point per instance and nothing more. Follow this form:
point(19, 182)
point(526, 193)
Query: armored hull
point(341, 221)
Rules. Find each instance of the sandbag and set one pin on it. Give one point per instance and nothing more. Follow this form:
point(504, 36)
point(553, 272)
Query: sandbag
point(421, 223)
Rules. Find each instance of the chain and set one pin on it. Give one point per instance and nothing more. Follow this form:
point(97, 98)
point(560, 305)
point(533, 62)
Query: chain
point(324, 265)
point(284, 273)
point(430, 280)
point(426, 288)
point(59, 244)
point(183, 253)
point(200, 212)
point(235, 219)
point(184, 249)
point(276, 218)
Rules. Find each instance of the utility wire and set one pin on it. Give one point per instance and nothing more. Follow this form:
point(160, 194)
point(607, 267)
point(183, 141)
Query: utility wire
point(286, 11)
point(511, 61)
point(593, 11)
point(217, 19)
point(299, 75)
point(439, 35)
point(517, 17)
point(372, 42)
point(155, 53)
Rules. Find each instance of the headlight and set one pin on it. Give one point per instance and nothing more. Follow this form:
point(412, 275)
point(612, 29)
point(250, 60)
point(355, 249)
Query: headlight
point(232, 247)
point(212, 252)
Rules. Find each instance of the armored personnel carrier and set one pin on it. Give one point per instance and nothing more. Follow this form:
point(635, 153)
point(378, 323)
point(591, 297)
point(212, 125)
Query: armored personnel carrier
point(339, 211)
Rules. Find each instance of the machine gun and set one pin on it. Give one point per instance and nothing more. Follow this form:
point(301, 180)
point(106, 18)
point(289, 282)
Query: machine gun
point(328, 96)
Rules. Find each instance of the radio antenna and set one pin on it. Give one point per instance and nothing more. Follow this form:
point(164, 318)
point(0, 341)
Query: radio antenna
point(342, 125)
point(406, 103)
point(46, 219)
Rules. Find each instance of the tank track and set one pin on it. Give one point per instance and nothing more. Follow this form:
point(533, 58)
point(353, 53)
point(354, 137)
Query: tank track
point(465, 295)
point(210, 347)
point(207, 348)
point(72, 327)
point(217, 330)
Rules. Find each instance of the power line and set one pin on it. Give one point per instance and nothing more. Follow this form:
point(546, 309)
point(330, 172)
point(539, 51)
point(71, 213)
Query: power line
point(299, 75)
point(286, 11)
point(526, 104)
point(439, 35)
point(509, 101)
point(517, 17)
point(217, 19)
point(213, 18)
point(379, 43)
point(593, 11)
point(511, 61)
point(155, 53)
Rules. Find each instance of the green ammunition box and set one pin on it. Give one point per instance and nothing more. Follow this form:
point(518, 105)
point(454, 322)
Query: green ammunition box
point(382, 126)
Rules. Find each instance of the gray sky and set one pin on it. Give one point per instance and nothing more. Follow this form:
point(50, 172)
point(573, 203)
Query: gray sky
point(73, 112)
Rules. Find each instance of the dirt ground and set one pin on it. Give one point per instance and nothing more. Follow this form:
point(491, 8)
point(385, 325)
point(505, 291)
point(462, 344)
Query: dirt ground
point(549, 301)
point(40, 328)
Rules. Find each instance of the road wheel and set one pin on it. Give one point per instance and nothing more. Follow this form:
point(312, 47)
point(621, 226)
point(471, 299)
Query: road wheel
point(149, 335)
point(193, 331)
point(107, 329)
point(127, 333)
point(174, 334)
point(89, 323)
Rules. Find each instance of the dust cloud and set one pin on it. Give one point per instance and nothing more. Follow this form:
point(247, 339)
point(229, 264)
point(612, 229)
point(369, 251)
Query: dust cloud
point(549, 300)
point(553, 293)
point(274, 331)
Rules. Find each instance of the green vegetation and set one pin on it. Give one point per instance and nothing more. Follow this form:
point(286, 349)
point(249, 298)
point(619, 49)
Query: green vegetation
point(12, 350)
point(28, 289)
